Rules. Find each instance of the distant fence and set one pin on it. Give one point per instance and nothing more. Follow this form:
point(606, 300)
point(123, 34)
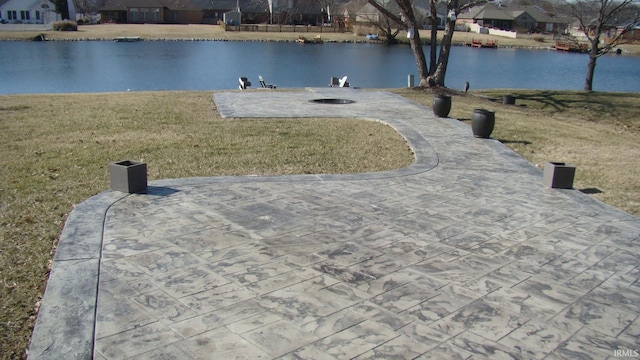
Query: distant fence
point(505, 33)
point(284, 28)
point(484, 30)
point(545, 36)
point(25, 27)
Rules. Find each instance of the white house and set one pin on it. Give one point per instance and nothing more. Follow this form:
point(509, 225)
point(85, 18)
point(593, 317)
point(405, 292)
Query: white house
point(27, 11)
point(31, 11)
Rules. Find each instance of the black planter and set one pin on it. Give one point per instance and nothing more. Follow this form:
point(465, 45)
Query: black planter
point(128, 176)
point(441, 105)
point(509, 100)
point(482, 123)
point(559, 175)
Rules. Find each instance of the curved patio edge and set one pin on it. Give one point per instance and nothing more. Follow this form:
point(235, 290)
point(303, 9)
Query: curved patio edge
point(65, 324)
point(66, 319)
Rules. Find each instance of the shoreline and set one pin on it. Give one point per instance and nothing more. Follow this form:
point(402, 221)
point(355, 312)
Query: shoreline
point(201, 32)
point(44, 38)
point(627, 52)
point(354, 41)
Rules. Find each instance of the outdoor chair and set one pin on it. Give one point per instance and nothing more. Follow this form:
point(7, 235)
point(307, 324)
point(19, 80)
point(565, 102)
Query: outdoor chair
point(244, 83)
point(344, 82)
point(264, 84)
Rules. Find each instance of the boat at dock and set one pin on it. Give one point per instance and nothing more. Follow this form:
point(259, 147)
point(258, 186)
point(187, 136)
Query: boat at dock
point(492, 44)
point(126, 39)
point(303, 40)
point(571, 46)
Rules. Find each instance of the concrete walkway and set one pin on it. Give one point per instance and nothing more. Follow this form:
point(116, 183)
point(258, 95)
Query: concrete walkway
point(465, 254)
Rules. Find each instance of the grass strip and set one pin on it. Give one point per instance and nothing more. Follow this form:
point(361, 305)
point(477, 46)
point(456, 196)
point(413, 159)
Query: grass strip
point(598, 132)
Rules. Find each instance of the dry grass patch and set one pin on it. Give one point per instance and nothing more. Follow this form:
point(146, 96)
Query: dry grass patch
point(215, 32)
point(55, 151)
point(597, 132)
point(159, 31)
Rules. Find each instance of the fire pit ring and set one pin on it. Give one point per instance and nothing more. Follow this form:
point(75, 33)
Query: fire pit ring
point(332, 101)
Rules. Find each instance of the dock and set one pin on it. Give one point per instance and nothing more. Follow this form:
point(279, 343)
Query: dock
point(479, 44)
point(571, 46)
point(126, 39)
point(303, 40)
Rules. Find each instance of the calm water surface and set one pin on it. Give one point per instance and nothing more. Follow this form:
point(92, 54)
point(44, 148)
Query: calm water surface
point(104, 66)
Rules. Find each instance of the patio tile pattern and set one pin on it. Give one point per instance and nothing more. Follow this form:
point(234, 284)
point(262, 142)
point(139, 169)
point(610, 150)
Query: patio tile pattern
point(464, 254)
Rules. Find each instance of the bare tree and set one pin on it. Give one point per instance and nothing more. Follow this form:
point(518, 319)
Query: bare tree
point(390, 33)
point(433, 75)
point(62, 8)
point(330, 7)
point(384, 24)
point(603, 17)
point(85, 7)
point(294, 11)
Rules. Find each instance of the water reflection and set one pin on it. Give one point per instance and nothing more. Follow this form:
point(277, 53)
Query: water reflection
point(103, 66)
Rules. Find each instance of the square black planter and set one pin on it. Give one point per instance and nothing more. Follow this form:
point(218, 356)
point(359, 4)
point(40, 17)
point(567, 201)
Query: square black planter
point(559, 175)
point(128, 176)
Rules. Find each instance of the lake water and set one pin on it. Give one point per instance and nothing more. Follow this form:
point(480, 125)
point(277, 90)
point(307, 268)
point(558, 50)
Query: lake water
point(105, 66)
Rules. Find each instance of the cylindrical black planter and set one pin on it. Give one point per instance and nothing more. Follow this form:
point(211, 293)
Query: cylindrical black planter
point(482, 123)
point(441, 105)
point(509, 100)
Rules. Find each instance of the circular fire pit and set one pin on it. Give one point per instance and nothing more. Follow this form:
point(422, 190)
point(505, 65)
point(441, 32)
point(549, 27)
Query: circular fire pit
point(332, 101)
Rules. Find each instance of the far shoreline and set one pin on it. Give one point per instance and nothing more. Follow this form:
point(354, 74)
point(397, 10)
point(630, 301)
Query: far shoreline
point(525, 47)
point(199, 32)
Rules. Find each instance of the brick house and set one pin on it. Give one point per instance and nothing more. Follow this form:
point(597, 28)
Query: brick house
point(208, 11)
point(165, 11)
point(522, 19)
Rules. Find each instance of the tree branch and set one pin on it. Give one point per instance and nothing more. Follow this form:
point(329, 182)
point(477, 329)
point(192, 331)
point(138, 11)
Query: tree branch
point(387, 13)
point(463, 7)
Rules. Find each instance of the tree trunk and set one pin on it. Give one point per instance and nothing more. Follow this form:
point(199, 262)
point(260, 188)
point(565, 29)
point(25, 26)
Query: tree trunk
point(591, 66)
point(421, 60)
point(407, 19)
point(416, 44)
point(433, 43)
point(437, 78)
point(390, 35)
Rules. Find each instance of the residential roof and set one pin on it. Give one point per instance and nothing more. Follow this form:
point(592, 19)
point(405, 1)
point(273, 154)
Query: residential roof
point(494, 12)
point(253, 6)
point(309, 7)
point(27, 4)
point(370, 9)
point(421, 7)
point(171, 4)
point(634, 26)
point(620, 23)
point(487, 11)
point(535, 12)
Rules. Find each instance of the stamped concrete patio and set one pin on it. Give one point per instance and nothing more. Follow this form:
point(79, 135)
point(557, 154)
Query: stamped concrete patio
point(464, 254)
